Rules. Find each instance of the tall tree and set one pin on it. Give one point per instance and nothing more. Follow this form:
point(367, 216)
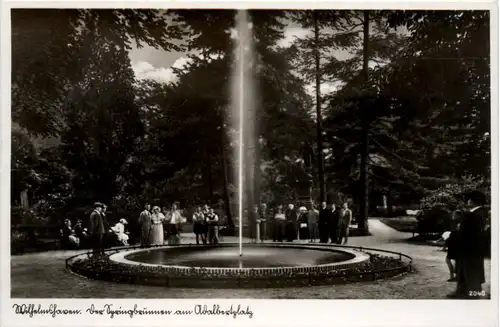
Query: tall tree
point(365, 128)
point(358, 75)
point(329, 35)
point(47, 48)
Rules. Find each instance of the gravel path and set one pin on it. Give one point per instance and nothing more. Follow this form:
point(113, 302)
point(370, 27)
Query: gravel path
point(43, 275)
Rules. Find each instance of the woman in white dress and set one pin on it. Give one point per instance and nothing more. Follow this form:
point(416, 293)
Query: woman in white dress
point(157, 219)
point(119, 230)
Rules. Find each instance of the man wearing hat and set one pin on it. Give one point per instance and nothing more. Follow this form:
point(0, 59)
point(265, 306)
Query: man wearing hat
point(96, 228)
point(472, 247)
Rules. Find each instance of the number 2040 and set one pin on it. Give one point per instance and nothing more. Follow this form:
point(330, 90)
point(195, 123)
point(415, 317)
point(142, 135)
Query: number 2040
point(477, 293)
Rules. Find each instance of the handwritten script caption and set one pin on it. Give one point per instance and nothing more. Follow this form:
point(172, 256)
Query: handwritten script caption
point(112, 311)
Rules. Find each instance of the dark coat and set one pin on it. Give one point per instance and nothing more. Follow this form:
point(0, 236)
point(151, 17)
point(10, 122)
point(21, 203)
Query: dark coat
point(96, 223)
point(334, 217)
point(291, 216)
point(471, 240)
point(324, 217)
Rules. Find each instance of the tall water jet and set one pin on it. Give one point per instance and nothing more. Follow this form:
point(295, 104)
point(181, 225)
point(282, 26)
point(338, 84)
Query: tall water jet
point(242, 106)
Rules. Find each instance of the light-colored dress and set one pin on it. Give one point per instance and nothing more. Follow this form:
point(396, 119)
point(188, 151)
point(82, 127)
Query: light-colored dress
point(157, 237)
point(119, 230)
point(312, 224)
point(175, 220)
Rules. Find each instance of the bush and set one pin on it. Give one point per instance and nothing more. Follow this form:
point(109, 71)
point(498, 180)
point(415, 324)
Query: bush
point(437, 206)
point(21, 216)
point(434, 220)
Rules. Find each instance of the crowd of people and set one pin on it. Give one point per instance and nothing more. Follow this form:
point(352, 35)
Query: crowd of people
point(152, 227)
point(206, 225)
point(466, 242)
point(158, 224)
point(328, 224)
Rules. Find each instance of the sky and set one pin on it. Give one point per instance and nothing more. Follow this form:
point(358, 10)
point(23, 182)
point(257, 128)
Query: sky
point(151, 63)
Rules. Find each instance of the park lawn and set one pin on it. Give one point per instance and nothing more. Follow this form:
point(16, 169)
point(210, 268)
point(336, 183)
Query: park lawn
point(406, 224)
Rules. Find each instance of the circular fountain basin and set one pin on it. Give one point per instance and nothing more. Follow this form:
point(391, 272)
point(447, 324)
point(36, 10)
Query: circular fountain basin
point(228, 257)
point(258, 259)
point(261, 266)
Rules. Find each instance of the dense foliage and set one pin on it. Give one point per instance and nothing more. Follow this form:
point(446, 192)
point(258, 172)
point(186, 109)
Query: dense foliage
point(409, 110)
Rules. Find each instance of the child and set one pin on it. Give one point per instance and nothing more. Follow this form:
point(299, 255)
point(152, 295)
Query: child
point(451, 245)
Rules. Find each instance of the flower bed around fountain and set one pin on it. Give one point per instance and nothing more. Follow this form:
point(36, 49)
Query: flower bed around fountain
point(361, 267)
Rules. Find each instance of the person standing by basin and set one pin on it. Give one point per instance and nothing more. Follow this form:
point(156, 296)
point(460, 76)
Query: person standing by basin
point(344, 223)
point(303, 226)
point(279, 224)
point(199, 226)
point(312, 223)
point(213, 224)
point(254, 223)
point(145, 225)
point(174, 220)
point(333, 223)
point(97, 229)
point(291, 221)
point(263, 222)
point(157, 219)
point(323, 223)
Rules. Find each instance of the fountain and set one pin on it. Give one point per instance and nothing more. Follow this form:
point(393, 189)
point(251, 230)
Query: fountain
point(242, 51)
point(220, 265)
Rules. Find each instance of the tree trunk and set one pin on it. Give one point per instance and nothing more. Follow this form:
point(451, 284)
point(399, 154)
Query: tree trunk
point(389, 203)
point(24, 199)
point(363, 205)
point(319, 130)
point(209, 177)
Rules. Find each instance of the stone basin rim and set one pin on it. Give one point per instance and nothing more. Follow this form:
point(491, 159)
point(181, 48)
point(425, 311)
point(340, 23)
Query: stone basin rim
point(358, 257)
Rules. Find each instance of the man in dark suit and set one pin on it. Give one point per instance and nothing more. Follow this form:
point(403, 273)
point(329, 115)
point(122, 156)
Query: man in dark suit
point(333, 224)
point(262, 222)
point(291, 223)
point(472, 248)
point(97, 228)
point(323, 223)
point(253, 218)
